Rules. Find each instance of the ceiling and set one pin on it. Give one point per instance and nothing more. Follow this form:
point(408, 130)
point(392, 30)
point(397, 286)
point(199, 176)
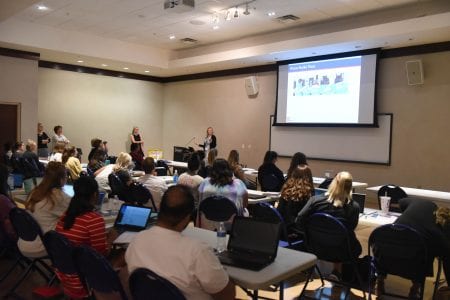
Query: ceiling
point(134, 35)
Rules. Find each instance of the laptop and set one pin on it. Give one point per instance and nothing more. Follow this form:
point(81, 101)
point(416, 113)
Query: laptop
point(361, 200)
point(68, 190)
point(252, 244)
point(132, 218)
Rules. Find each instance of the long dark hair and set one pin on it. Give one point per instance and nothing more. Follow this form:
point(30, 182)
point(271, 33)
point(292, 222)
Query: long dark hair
point(298, 159)
point(4, 173)
point(85, 189)
point(221, 173)
point(270, 156)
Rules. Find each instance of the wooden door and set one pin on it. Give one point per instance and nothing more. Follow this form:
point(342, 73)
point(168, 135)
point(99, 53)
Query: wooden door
point(9, 124)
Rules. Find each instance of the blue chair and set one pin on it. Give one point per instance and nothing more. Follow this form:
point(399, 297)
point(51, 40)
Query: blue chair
point(328, 239)
point(96, 272)
point(28, 229)
point(400, 250)
point(145, 284)
point(217, 209)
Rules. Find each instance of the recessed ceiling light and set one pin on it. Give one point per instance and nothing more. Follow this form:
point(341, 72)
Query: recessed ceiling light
point(125, 68)
point(271, 13)
point(147, 71)
point(104, 65)
point(172, 37)
point(42, 7)
point(80, 61)
point(215, 27)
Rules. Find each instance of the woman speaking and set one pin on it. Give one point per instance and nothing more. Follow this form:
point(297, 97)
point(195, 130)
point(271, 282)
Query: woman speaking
point(210, 141)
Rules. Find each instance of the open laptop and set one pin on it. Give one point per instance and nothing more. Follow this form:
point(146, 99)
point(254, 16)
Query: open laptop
point(132, 218)
point(361, 200)
point(252, 244)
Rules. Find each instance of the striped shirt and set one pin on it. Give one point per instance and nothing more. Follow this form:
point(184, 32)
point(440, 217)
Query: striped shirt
point(88, 229)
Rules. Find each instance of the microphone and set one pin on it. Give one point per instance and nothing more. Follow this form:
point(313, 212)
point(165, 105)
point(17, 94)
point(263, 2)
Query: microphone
point(193, 138)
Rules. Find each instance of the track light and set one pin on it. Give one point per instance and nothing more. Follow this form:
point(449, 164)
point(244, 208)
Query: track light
point(236, 13)
point(228, 16)
point(246, 12)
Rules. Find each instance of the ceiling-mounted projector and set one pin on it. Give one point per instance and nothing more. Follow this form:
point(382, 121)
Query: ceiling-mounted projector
point(179, 6)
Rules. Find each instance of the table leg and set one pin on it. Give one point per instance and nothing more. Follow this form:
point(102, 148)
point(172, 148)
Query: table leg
point(255, 295)
point(281, 290)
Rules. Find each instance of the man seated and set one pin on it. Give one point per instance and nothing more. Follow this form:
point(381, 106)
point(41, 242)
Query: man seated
point(187, 263)
point(156, 185)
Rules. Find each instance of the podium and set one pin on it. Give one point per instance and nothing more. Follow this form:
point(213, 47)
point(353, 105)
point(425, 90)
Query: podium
point(181, 153)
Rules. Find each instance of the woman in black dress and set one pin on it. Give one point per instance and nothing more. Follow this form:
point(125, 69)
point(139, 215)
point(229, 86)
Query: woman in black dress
point(135, 138)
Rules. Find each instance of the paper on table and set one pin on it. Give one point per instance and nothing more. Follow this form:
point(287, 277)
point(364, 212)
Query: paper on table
point(125, 238)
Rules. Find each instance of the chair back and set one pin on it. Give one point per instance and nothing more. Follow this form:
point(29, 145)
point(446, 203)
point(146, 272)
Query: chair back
point(60, 251)
point(326, 183)
point(270, 183)
point(267, 213)
point(96, 272)
point(26, 227)
point(217, 208)
point(117, 187)
point(145, 284)
point(399, 250)
point(141, 195)
point(395, 192)
point(327, 238)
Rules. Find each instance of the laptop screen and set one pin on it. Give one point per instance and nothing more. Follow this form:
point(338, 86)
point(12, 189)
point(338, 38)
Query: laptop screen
point(133, 217)
point(319, 191)
point(254, 236)
point(68, 190)
point(361, 200)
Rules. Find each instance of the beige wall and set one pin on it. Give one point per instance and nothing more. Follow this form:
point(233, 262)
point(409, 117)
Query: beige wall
point(420, 143)
point(90, 106)
point(19, 84)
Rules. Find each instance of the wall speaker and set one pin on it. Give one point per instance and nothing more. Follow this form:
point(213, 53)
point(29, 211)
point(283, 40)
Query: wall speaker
point(251, 85)
point(414, 72)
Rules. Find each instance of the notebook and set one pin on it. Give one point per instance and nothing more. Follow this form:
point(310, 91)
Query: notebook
point(252, 244)
point(132, 218)
point(361, 200)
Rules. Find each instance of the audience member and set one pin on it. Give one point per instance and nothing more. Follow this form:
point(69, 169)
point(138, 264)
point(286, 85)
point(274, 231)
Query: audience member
point(59, 137)
point(7, 232)
point(295, 193)
point(47, 203)
point(81, 225)
point(7, 154)
point(135, 138)
point(43, 140)
point(203, 172)
point(58, 149)
point(187, 263)
point(190, 178)
point(72, 163)
point(96, 145)
point(433, 223)
point(269, 171)
point(156, 185)
point(337, 201)
point(236, 167)
point(97, 162)
point(31, 165)
point(221, 183)
point(298, 159)
point(137, 156)
point(15, 161)
point(123, 162)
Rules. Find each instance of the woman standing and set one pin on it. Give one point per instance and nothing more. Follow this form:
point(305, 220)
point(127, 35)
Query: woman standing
point(210, 141)
point(43, 140)
point(135, 138)
point(59, 136)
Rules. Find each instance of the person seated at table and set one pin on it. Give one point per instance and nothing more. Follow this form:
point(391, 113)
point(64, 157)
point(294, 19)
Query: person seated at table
point(47, 203)
point(295, 193)
point(7, 154)
point(59, 136)
point(15, 160)
point(433, 223)
point(70, 160)
point(190, 178)
point(268, 171)
point(222, 183)
point(137, 156)
point(7, 233)
point(187, 263)
point(298, 159)
point(81, 225)
point(156, 185)
point(96, 163)
point(123, 162)
point(337, 201)
point(236, 167)
point(212, 155)
point(203, 172)
point(58, 150)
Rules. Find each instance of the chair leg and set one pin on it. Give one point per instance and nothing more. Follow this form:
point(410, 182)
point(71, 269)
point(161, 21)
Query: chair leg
point(21, 279)
point(310, 272)
point(438, 278)
point(360, 281)
point(320, 275)
point(16, 263)
point(422, 289)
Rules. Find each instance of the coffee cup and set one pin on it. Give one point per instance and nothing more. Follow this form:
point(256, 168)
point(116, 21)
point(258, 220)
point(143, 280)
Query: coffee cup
point(385, 201)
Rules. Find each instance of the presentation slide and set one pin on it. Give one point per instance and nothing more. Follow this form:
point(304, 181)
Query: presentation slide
point(330, 91)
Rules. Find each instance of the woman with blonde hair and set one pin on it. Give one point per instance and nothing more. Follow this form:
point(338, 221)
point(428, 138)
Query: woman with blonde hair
point(72, 163)
point(337, 202)
point(123, 162)
point(47, 203)
point(58, 150)
point(295, 192)
point(136, 139)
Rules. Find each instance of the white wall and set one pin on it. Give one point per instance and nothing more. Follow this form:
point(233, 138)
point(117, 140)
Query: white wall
point(90, 106)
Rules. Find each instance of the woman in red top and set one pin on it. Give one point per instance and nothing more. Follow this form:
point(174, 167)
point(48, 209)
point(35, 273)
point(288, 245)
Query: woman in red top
point(82, 226)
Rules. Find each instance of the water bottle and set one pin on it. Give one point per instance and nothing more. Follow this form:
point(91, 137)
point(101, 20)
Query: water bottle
point(221, 238)
point(175, 177)
point(11, 182)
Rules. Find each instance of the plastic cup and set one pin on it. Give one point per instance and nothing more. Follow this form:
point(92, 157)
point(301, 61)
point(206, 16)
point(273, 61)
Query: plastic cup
point(385, 201)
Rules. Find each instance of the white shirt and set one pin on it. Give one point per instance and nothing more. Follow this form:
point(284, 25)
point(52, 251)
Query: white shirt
point(56, 157)
point(156, 185)
point(187, 263)
point(102, 178)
